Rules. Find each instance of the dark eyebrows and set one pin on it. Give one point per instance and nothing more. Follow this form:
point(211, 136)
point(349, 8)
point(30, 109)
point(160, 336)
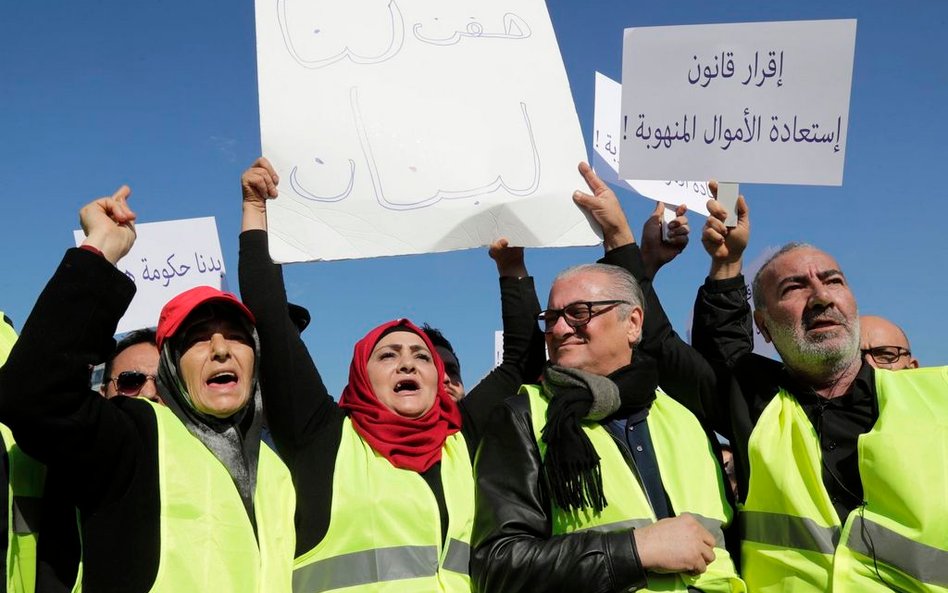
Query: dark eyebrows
point(802, 278)
point(829, 274)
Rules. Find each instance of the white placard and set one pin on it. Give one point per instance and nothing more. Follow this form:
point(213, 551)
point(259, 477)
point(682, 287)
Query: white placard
point(412, 127)
point(498, 348)
point(606, 139)
point(167, 259)
point(753, 102)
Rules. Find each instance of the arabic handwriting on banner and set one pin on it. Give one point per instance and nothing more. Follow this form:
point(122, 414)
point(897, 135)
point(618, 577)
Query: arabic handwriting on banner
point(171, 269)
point(383, 35)
point(372, 169)
point(764, 66)
point(746, 128)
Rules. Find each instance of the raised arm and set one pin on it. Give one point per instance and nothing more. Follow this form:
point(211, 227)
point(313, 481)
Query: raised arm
point(683, 373)
point(723, 328)
point(45, 397)
point(296, 400)
point(524, 354)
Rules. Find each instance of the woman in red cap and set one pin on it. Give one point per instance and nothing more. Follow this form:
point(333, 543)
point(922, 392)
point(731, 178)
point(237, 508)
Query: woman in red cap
point(176, 498)
point(384, 480)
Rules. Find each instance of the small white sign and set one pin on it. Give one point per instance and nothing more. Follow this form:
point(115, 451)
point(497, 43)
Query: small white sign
point(414, 127)
point(752, 102)
point(498, 348)
point(167, 259)
point(606, 140)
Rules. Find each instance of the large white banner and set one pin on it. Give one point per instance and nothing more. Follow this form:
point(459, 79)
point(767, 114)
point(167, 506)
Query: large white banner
point(409, 127)
point(167, 259)
point(754, 102)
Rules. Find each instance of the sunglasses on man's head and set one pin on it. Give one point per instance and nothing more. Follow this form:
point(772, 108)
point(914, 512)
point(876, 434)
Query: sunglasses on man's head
point(130, 383)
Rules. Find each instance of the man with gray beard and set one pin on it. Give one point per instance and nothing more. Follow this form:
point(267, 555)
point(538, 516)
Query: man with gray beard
point(842, 468)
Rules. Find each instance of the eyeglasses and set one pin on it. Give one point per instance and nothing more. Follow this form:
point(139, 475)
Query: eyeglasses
point(130, 383)
point(886, 354)
point(575, 314)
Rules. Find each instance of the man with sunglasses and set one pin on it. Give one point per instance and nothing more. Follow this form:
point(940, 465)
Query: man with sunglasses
point(133, 368)
point(595, 480)
point(884, 345)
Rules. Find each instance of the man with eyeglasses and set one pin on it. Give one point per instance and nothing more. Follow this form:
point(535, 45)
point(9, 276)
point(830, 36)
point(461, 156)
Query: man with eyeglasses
point(884, 345)
point(843, 468)
point(595, 480)
point(133, 368)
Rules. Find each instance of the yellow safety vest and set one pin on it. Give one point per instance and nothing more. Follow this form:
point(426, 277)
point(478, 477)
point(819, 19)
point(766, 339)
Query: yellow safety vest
point(792, 538)
point(7, 339)
point(207, 541)
point(24, 495)
point(384, 532)
point(690, 475)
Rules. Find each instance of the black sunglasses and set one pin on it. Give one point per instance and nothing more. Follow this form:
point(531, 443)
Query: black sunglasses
point(130, 383)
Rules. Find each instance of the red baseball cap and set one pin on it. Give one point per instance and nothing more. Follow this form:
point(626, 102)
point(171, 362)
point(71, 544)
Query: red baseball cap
point(177, 309)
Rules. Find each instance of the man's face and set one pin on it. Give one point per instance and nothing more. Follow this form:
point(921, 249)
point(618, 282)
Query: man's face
point(452, 373)
point(605, 343)
point(217, 365)
point(810, 313)
point(141, 358)
point(887, 342)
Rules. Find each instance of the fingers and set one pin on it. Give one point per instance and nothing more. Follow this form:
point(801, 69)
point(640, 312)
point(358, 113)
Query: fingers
point(117, 206)
point(499, 244)
point(713, 186)
point(592, 180)
point(263, 163)
point(260, 181)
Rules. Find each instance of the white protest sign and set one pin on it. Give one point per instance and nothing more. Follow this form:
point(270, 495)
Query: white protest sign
point(606, 139)
point(412, 127)
point(754, 102)
point(167, 259)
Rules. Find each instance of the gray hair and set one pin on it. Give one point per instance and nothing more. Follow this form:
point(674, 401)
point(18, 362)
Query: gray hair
point(756, 290)
point(620, 285)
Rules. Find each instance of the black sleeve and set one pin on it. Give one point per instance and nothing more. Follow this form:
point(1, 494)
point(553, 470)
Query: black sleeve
point(514, 549)
point(723, 330)
point(44, 386)
point(683, 373)
point(524, 357)
point(296, 402)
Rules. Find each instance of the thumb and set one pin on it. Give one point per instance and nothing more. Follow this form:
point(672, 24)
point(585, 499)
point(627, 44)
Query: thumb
point(584, 200)
point(742, 210)
point(659, 208)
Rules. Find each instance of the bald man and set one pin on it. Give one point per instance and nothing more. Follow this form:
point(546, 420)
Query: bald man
point(884, 345)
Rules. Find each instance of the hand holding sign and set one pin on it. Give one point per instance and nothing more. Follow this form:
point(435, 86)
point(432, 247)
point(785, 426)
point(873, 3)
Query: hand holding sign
point(725, 244)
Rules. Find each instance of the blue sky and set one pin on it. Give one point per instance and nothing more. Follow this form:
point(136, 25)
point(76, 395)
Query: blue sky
point(162, 96)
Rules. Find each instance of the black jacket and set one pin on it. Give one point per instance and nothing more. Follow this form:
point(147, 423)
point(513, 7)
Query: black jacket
point(514, 549)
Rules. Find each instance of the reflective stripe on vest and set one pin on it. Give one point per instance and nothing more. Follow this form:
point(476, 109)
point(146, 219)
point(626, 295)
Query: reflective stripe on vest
point(207, 541)
point(378, 565)
point(785, 531)
point(402, 552)
point(26, 479)
point(899, 538)
point(685, 458)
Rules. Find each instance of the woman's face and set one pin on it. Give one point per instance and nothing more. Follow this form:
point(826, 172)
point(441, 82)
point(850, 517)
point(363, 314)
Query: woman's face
point(217, 366)
point(403, 374)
